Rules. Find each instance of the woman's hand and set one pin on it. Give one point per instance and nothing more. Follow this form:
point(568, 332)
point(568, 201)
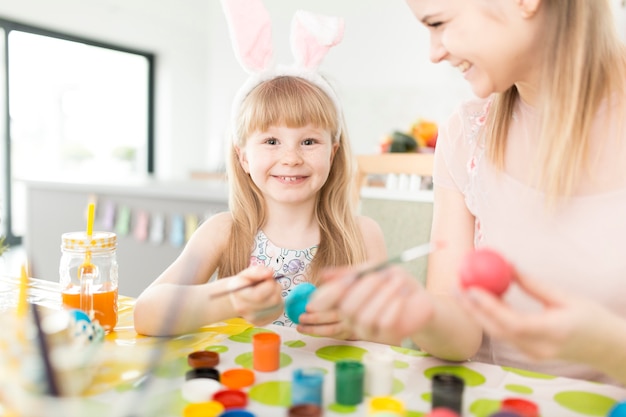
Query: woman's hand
point(567, 327)
point(385, 306)
point(260, 304)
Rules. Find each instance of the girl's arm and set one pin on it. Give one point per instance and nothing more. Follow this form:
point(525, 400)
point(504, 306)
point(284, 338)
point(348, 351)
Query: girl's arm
point(179, 300)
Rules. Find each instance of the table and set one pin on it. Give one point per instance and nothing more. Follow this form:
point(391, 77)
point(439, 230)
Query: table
point(123, 387)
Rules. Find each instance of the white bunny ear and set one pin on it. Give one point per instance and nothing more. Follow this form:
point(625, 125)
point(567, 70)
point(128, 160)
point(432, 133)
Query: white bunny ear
point(312, 35)
point(250, 32)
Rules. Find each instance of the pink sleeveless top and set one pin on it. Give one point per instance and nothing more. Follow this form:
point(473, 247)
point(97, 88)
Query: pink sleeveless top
point(579, 246)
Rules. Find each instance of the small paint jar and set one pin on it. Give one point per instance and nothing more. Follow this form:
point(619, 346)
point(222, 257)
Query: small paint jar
point(349, 376)
point(307, 386)
point(266, 352)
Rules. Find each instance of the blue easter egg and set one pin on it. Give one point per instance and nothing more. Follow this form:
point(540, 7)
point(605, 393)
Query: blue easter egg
point(79, 315)
point(619, 410)
point(296, 301)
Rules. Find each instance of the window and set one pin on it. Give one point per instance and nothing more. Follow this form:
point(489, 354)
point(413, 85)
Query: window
point(72, 109)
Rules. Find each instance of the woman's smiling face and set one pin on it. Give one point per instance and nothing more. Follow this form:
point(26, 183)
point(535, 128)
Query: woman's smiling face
point(494, 43)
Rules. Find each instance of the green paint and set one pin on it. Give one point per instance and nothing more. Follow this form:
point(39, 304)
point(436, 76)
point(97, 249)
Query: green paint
point(400, 364)
point(340, 352)
point(528, 374)
point(217, 348)
point(519, 389)
point(409, 352)
point(246, 336)
point(415, 414)
point(246, 360)
point(342, 409)
point(276, 393)
point(295, 343)
point(586, 403)
point(484, 407)
point(471, 377)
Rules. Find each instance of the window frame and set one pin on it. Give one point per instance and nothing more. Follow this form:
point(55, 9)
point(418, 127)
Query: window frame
point(8, 25)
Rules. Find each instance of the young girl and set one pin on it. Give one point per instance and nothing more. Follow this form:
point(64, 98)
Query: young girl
point(290, 175)
point(533, 168)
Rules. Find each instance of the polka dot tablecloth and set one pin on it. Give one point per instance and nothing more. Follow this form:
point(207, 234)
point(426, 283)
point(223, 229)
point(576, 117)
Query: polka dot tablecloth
point(127, 383)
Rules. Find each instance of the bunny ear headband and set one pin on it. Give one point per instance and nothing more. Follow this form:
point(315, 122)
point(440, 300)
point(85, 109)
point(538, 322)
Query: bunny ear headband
point(312, 36)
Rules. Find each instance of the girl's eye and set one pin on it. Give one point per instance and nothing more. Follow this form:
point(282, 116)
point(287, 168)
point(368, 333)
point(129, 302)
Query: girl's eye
point(271, 141)
point(434, 25)
point(308, 141)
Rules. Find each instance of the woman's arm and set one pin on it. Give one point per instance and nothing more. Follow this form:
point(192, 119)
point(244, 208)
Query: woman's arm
point(448, 333)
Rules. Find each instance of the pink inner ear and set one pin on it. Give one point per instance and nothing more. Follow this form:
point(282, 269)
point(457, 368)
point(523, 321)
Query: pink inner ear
point(251, 33)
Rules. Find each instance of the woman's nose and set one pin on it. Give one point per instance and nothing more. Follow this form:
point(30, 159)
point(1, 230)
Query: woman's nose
point(437, 49)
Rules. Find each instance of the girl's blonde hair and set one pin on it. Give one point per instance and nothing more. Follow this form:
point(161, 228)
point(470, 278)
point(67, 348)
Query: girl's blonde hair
point(584, 63)
point(294, 102)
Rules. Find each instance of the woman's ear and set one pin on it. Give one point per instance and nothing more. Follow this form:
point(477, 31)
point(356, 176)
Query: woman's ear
point(528, 8)
point(243, 159)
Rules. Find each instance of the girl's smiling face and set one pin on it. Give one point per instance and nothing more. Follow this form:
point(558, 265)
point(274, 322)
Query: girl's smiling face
point(289, 165)
point(494, 43)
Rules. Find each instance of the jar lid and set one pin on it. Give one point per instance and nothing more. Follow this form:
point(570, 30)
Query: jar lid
point(80, 241)
point(203, 359)
point(305, 410)
point(231, 398)
point(237, 378)
point(203, 409)
point(210, 373)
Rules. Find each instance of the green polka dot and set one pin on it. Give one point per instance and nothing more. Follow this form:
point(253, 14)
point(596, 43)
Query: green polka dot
point(528, 374)
point(245, 360)
point(471, 377)
point(400, 364)
point(586, 403)
point(340, 352)
point(217, 348)
point(409, 352)
point(246, 336)
point(415, 414)
point(172, 368)
point(277, 393)
point(484, 407)
point(342, 409)
point(426, 396)
point(520, 389)
point(295, 343)
point(398, 386)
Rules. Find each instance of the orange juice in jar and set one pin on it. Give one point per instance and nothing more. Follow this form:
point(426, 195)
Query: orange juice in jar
point(95, 292)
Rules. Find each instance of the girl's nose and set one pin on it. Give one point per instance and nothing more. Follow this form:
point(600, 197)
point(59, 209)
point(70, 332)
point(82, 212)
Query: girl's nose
point(291, 156)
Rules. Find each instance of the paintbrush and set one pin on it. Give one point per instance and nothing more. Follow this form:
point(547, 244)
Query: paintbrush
point(44, 349)
point(242, 287)
point(404, 256)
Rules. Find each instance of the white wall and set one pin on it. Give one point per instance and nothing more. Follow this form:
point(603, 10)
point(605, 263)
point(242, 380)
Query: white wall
point(381, 69)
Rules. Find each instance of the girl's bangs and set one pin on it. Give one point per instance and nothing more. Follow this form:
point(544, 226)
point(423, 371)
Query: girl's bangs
point(289, 101)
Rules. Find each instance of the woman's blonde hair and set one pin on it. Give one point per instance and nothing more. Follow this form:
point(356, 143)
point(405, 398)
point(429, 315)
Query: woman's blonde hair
point(294, 102)
point(584, 64)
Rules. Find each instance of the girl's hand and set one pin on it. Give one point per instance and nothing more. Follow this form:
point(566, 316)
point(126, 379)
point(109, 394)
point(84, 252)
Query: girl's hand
point(260, 304)
point(325, 323)
point(563, 328)
point(385, 306)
